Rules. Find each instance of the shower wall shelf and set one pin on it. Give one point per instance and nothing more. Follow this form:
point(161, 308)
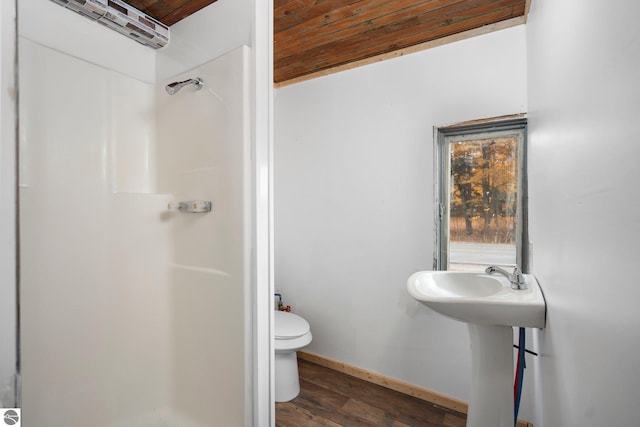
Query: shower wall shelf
point(192, 206)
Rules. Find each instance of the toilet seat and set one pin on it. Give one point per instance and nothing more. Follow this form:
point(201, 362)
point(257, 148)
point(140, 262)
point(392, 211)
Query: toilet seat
point(289, 326)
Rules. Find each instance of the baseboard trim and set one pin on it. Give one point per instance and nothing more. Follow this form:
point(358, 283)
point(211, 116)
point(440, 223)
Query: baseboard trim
point(393, 384)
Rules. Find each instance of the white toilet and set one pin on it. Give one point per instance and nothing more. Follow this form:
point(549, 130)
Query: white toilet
point(292, 333)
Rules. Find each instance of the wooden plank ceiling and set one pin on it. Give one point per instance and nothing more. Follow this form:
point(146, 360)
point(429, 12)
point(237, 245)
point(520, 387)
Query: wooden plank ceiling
point(169, 11)
point(315, 35)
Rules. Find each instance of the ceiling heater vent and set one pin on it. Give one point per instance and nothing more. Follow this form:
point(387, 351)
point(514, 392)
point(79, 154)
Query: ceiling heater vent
point(123, 18)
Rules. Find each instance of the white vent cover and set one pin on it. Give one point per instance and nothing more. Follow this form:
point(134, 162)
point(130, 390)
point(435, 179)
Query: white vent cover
point(123, 18)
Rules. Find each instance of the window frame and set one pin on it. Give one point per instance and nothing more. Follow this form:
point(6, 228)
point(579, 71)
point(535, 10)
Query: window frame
point(442, 182)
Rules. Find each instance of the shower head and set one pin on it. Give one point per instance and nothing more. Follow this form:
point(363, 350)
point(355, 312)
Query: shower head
point(173, 88)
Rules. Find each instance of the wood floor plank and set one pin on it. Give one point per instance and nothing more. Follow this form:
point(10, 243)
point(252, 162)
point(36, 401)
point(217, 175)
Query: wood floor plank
point(328, 404)
point(331, 398)
point(366, 412)
point(405, 408)
point(318, 397)
point(291, 415)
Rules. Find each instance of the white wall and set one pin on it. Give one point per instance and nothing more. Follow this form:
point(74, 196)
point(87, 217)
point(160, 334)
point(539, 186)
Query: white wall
point(584, 102)
point(8, 206)
point(354, 201)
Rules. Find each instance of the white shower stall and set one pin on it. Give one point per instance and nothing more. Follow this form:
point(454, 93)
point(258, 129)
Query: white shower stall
point(134, 314)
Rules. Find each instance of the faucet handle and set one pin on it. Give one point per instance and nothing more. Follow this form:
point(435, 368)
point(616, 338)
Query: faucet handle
point(517, 277)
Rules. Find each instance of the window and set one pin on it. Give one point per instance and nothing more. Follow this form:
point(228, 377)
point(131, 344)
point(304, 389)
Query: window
point(481, 191)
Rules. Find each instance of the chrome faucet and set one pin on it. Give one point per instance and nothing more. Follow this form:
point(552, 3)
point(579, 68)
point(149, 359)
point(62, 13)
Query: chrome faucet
point(516, 278)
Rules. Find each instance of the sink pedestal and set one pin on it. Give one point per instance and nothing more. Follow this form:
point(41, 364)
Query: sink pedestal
point(491, 399)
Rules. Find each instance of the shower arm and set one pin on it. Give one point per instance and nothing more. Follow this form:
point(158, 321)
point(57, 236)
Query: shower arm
point(173, 88)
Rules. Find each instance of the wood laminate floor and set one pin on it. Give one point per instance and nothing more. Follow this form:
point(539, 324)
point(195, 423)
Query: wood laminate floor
point(331, 398)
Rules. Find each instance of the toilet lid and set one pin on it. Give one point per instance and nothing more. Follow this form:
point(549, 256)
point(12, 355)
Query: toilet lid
point(289, 325)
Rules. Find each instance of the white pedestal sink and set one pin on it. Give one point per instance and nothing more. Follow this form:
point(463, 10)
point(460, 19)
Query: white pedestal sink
point(491, 309)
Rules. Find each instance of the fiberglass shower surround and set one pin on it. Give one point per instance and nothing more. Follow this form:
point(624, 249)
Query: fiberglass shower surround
point(147, 348)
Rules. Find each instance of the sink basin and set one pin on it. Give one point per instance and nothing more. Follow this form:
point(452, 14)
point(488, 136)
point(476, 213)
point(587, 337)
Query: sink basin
point(480, 298)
